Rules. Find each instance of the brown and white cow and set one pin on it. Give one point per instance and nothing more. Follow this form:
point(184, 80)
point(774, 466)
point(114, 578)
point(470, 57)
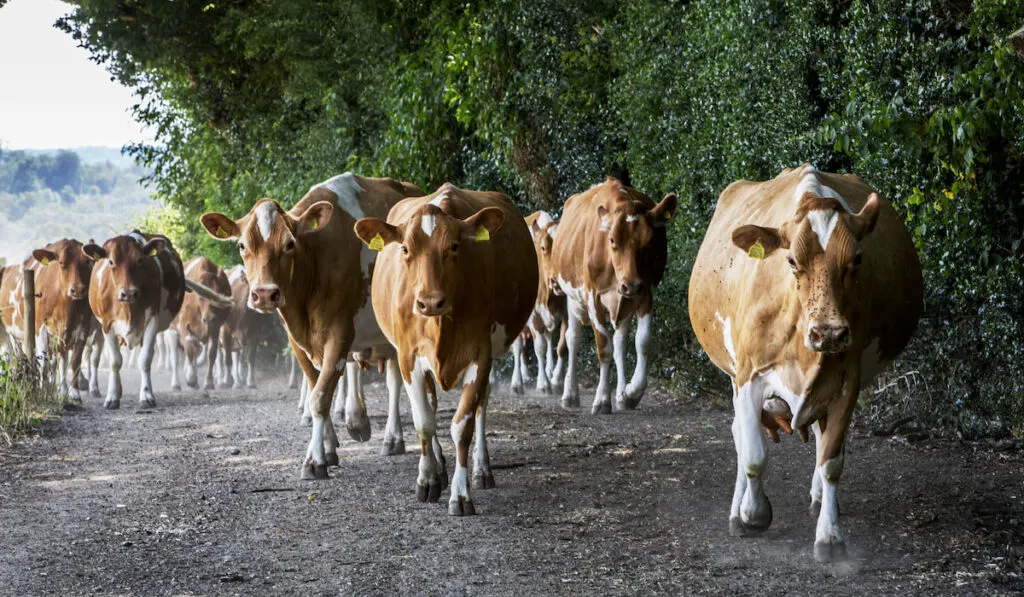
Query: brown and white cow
point(308, 265)
point(455, 283)
point(804, 287)
point(241, 333)
point(548, 321)
point(198, 324)
point(608, 257)
point(136, 291)
point(63, 318)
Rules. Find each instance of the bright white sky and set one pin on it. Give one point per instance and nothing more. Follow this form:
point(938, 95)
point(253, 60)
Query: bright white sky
point(51, 95)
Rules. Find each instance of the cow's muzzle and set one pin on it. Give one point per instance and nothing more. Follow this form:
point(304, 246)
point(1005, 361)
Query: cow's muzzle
point(432, 305)
point(828, 338)
point(267, 297)
point(631, 289)
point(128, 295)
point(77, 292)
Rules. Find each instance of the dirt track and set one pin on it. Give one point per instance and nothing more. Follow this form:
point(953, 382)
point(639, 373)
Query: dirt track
point(154, 503)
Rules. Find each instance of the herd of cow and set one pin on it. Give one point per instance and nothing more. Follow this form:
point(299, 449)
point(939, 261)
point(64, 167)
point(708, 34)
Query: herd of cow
point(804, 287)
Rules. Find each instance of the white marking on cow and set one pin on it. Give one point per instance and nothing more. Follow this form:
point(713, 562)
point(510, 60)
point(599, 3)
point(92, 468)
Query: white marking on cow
point(552, 229)
point(236, 272)
point(594, 319)
point(605, 223)
point(266, 214)
point(347, 188)
point(138, 238)
point(191, 266)
point(469, 376)
point(103, 267)
point(499, 341)
point(436, 201)
point(544, 219)
point(809, 183)
point(428, 223)
point(632, 218)
point(727, 338)
point(823, 223)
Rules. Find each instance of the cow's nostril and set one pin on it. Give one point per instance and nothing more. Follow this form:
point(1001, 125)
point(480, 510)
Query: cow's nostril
point(440, 303)
point(255, 297)
point(275, 296)
point(842, 334)
point(421, 305)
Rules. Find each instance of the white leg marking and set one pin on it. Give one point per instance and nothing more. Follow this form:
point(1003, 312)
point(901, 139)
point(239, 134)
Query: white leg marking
point(393, 436)
point(145, 363)
point(571, 388)
point(638, 383)
point(113, 399)
point(540, 346)
point(749, 502)
point(426, 427)
point(619, 357)
point(517, 363)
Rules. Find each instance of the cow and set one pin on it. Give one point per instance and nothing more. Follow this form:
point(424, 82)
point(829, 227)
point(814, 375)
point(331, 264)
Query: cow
point(63, 320)
point(804, 287)
point(308, 265)
point(241, 333)
point(455, 282)
point(608, 257)
point(548, 321)
point(137, 288)
point(199, 323)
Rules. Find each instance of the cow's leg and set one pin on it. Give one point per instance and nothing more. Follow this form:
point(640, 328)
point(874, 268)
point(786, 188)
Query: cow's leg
point(464, 426)
point(603, 396)
point(323, 443)
point(75, 370)
point(394, 442)
point(145, 362)
point(171, 338)
point(517, 362)
point(250, 367)
point(619, 356)
point(638, 384)
point(571, 388)
point(192, 355)
point(828, 541)
point(523, 364)
point(161, 349)
point(815, 508)
point(540, 346)
point(428, 482)
point(212, 350)
point(94, 368)
point(113, 399)
point(293, 377)
point(306, 419)
point(549, 360)
point(563, 350)
point(356, 420)
point(442, 464)
point(482, 476)
point(751, 510)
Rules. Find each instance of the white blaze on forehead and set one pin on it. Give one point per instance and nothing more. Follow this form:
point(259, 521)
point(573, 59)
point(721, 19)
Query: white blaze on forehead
point(428, 223)
point(823, 223)
point(103, 267)
point(605, 223)
point(347, 188)
point(266, 214)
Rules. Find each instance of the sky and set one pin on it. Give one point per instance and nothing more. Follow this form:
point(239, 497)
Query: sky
point(51, 95)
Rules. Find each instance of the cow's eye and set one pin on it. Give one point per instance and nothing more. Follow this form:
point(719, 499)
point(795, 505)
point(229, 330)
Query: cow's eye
point(611, 241)
point(405, 250)
point(290, 246)
point(857, 259)
point(455, 247)
point(792, 263)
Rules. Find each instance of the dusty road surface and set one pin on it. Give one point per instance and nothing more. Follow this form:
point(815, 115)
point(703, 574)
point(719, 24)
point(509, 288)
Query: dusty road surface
point(157, 503)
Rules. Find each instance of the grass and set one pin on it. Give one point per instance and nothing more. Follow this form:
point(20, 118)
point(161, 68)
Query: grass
point(28, 396)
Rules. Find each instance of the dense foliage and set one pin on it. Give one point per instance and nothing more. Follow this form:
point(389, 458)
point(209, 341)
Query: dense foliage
point(542, 98)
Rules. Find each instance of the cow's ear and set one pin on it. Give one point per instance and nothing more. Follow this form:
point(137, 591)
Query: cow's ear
point(664, 211)
point(43, 256)
point(377, 233)
point(602, 216)
point(94, 252)
point(317, 216)
point(154, 246)
point(219, 226)
point(863, 223)
point(481, 225)
point(757, 241)
point(534, 229)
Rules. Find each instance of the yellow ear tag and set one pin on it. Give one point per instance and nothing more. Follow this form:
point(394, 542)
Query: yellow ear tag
point(315, 224)
point(482, 235)
point(221, 233)
point(756, 250)
point(152, 252)
point(45, 261)
point(668, 215)
point(377, 243)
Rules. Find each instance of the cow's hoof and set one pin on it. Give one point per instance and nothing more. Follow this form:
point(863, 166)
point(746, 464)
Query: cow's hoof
point(209, 386)
point(95, 394)
point(630, 403)
point(518, 390)
point(358, 429)
point(736, 528)
point(483, 481)
point(332, 459)
point(826, 552)
point(306, 421)
point(112, 404)
point(192, 384)
point(601, 408)
point(546, 390)
point(461, 507)
point(393, 447)
point(147, 403)
point(176, 387)
point(428, 493)
point(313, 472)
point(570, 403)
point(762, 518)
point(815, 509)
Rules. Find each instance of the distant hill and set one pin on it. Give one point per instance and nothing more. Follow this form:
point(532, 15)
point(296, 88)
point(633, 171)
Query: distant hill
point(83, 193)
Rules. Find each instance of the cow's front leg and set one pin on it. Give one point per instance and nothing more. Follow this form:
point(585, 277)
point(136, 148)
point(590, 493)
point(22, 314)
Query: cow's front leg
point(323, 443)
point(603, 396)
point(191, 360)
point(306, 415)
point(113, 399)
point(213, 350)
point(171, 339)
point(829, 545)
point(540, 346)
point(517, 365)
point(145, 362)
point(751, 511)
point(428, 482)
point(74, 371)
point(293, 372)
point(357, 422)
point(95, 354)
point(482, 476)
point(250, 366)
point(638, 384)
point(571, 387)
point(464, 426)
point(619, 355)
point(394, 442)
point(228, 379)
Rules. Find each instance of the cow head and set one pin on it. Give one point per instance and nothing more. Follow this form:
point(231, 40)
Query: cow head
point(126, 257)
point(543, 232)
point(822, 247)
point(430, 243)
point(73, 267)
point(271, 242)
point(627, 233)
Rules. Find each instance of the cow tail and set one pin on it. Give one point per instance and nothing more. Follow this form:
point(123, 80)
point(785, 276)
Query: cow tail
point(218, 299)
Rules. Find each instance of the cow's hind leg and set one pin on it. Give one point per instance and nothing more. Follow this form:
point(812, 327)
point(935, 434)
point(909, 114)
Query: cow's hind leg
point(540, 346)
point(751, 511)
point(482, 476)
point(571, 387)
point(213, 350)
point(517, 365)
point(428, 482)
point(394, 443)
point(357, 422)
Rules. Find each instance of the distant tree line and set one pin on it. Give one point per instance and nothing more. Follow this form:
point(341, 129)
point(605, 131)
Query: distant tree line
point(542, 98)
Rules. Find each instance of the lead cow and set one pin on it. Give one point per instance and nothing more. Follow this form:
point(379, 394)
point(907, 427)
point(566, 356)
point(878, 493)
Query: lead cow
point(308, 265)
point(804, 287)
point(608, 257)
point(455, 283)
